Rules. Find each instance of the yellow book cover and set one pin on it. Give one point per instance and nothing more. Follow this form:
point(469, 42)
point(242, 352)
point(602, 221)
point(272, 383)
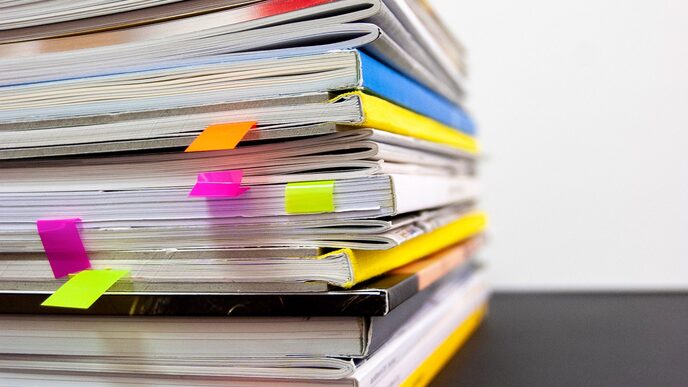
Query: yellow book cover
point(381, 114)
point(366, 264)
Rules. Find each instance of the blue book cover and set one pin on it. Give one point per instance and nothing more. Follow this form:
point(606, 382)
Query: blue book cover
point(391, 85)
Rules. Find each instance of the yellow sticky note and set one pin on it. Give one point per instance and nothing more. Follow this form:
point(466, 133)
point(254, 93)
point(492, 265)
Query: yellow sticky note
point(83, 289)
point(309, 197)
point(220, 136)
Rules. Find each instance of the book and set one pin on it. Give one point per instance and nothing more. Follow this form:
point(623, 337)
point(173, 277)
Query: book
point(114, 108)
point(34, 20)
point(342, 155)
point(375, 297)
point(248, 78)
point(169, 129)
point(222, 356)
point(243, 192)
point(341, 267)
point(272, 28)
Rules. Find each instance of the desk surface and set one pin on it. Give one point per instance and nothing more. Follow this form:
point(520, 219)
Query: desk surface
point(576, 340)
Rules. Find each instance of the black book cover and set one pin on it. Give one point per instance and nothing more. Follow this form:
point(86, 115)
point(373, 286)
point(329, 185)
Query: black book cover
point(376, 297)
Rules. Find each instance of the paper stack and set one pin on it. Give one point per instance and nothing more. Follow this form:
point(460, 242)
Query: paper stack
point(237, 192)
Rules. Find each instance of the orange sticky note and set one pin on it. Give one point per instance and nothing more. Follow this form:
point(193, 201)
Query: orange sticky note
point(220, 136)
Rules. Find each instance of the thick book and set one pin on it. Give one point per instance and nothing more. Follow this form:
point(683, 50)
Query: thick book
point(240, 349)
point(393, 365)
point(181, 102)
point(270, 27)
point(276, 119)
point(342, 155)
point(373, 174)
point(341, 267)
point(223, 82)
point(110, 206)
point(376, 297)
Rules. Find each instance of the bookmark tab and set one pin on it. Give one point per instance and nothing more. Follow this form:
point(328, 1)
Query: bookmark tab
point(309, 197)
point(84, 288)
point(220, 136)
point(63, 246)
point(219, 184)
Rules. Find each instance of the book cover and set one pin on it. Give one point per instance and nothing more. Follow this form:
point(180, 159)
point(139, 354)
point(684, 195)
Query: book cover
point(376, 297)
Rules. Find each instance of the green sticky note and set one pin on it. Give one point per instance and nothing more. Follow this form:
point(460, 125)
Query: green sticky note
point(83, 289)
point(309, 197)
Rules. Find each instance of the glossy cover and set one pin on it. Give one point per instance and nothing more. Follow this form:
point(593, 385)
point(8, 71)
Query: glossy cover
point(381, 114)
point(391, 85)
point(367, 264)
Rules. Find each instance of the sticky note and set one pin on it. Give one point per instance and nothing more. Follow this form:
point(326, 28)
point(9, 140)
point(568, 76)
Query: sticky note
point(220, 136)
point(84, 288)
point(219, 184)
point(309, 197)
point(63, 246)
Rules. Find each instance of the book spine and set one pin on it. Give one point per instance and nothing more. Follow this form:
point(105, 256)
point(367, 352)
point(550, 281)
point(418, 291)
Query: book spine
point(371, 263)
point(385, 82)
point(384, 115)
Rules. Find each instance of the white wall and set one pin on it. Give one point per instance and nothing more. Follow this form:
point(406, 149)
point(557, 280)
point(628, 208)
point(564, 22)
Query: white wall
point(583, 108)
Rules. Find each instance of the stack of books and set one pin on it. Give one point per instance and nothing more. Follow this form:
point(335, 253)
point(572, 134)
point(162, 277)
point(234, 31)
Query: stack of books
point(249, 192)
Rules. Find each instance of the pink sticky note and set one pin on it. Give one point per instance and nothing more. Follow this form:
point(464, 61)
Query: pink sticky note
point(219, 184)
point(63, 246)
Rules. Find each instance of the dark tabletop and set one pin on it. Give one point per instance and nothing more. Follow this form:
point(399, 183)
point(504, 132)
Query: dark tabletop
point(576, 340)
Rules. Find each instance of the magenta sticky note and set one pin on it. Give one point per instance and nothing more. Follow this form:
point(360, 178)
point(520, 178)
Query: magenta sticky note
point(63, 246)
point(219, 184)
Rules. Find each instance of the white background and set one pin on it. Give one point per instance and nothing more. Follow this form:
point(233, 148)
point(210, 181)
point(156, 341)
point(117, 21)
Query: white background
point(583, 112)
